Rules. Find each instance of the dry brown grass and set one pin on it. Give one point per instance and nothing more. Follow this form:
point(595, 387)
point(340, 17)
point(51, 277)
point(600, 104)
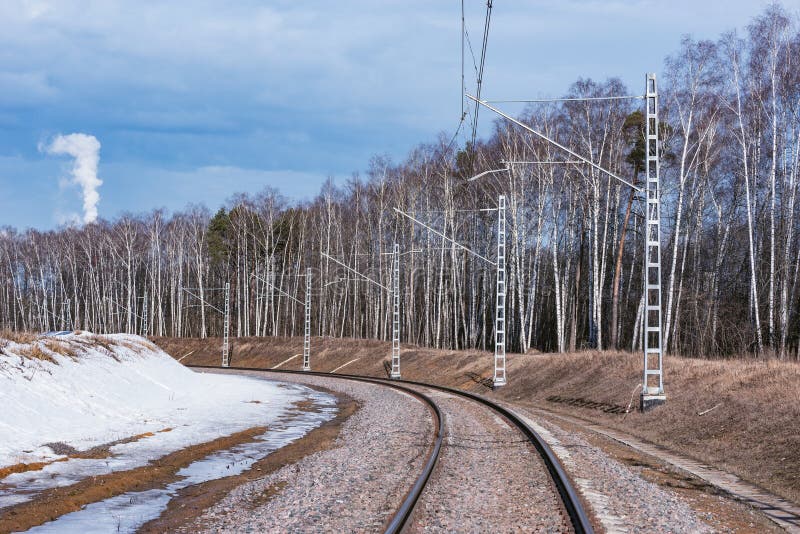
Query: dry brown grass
point(32, 346)
point(138, 345)
point(104, 342)
point(752, 430)
point(34, 351)
point(64, 348)
point(18, 337)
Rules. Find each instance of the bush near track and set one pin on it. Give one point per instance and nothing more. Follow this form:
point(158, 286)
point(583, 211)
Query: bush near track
point(738, 415)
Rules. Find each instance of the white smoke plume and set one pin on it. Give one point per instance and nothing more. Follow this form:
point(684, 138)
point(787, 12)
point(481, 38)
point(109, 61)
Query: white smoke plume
point(86, 151)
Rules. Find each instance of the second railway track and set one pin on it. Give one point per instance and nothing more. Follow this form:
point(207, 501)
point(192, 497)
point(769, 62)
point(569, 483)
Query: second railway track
point(578, 519)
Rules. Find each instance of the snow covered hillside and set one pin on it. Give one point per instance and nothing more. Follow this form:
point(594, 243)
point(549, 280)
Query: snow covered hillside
point(77, 391)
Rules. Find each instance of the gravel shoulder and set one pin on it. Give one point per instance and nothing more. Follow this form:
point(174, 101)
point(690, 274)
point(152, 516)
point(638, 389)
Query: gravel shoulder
point(353, 486)
point(632, 492)
point(193, 500)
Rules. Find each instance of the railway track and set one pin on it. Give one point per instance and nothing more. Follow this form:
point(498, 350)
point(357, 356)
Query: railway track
point(567, 494)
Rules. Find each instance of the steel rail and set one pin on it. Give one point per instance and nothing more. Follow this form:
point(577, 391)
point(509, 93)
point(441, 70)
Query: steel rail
point(569, 496)
point(403, 514)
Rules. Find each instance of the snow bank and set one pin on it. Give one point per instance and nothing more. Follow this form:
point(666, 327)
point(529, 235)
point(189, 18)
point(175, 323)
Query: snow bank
point(100, 389)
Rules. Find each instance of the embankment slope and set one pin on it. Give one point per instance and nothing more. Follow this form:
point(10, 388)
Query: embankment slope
point(742, 416)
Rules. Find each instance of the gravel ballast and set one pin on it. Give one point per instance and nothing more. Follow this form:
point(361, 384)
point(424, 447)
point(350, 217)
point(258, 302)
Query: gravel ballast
point(620, 499)
point(356, 486)
point(488, 479)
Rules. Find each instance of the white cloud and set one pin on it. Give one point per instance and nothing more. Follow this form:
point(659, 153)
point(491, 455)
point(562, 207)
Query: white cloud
point(86, 151)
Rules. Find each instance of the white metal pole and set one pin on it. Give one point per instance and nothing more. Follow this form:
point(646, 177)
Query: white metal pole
point(396, 312)
point(653, 379)
point(226, 326)
point(145, 326)
point(307, 338)
point(500, 312)
point(271, 297)
point(63, 315)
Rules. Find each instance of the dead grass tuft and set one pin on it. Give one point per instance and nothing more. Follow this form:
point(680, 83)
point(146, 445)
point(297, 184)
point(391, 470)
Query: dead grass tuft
point(64, 348)
point(34, 351)
point(18, 337)
point(104, 343)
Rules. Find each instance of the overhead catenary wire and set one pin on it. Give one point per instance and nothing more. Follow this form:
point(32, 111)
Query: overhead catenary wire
point(566, 99)
point(545, 162)
point(453, 211)
point(124, 308)
point(479, 84)
point(464, 111)
point(463, 82)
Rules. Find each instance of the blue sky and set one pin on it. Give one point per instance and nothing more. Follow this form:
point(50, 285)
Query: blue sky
point(193, 101)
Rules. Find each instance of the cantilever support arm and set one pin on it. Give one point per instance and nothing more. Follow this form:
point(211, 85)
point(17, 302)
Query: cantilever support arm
point(440, 234)
point(203, 301)
point(279, 290)
point(484, 173)
point(112, 302)
point(559, 145)
point(368, 279)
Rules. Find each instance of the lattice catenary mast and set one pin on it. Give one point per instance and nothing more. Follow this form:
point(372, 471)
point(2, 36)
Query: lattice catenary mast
point(67, 315)
point(306, 310)
point(395, 312)
point(500, 308)
point(653, 376)
point(226, 326)
point(145, 325)
point(653, 379)
point(307, 331)
point(226, 313)
point(499, 377)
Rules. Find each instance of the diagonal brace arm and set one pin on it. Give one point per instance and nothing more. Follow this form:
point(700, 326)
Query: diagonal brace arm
point(559, 145)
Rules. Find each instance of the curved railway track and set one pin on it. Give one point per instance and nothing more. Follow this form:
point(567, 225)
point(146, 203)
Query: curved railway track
point(569, 497)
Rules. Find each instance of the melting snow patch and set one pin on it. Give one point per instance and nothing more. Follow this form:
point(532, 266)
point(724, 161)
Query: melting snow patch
point(113, 388)
point(129, 511)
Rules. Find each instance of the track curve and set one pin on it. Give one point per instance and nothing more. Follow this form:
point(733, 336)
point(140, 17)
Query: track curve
point(569, 496)
point(404, 511)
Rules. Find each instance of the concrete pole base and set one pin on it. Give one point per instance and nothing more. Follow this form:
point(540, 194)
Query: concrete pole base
point(648, 402)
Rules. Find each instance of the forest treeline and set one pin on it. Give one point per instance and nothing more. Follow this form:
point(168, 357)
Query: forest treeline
point(730, 134)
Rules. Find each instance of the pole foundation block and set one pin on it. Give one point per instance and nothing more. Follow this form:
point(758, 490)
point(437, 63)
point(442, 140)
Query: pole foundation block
point(648, 402)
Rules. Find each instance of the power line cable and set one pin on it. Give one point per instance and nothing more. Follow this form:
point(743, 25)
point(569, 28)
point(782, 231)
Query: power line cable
point(487, 21)
point(463, 86)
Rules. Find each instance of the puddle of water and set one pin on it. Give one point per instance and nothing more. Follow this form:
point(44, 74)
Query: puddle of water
point(129, 511)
